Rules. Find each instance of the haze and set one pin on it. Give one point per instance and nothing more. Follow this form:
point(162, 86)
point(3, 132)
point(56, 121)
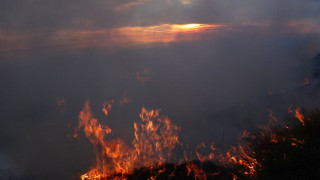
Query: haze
point(214, 67)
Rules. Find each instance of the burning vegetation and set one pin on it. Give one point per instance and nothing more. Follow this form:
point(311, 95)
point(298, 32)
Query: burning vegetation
point(154, 139)
point(289, 150)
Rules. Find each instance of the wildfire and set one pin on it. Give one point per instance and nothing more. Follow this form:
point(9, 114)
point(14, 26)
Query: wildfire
point(297, 114)
point(155, 138)
point(198, 172)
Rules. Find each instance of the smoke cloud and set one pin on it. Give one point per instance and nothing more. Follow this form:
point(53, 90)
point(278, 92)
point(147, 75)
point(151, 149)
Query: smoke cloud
point(214, 87)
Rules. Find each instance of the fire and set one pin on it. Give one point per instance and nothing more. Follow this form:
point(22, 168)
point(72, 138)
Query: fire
point(297, 113)
point(155, 138)
point(107, 107)
point(238, 157)
point(299, 116)
point(198, 172)
point(93, 130)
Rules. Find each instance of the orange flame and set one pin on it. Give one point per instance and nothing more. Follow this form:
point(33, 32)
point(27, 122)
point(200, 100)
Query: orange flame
point(107, 106)
point(297, 114)
point(155, 138)
point(238, 157)
point(197, 172)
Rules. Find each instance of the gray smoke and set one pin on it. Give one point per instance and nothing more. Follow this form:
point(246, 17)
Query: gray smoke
point(213, 88)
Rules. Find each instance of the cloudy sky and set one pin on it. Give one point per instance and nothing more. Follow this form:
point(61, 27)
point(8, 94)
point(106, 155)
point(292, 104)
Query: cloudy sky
point(213, 67)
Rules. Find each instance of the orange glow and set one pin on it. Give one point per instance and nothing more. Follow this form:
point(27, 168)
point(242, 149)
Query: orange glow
point(197, 172)
point(297, 114)
point(155, 138)
point(203, 158)
point(296, 142)
point(166, 33)
point(107, 37)
point(238, 156)
point(107, 106)
point(274, 138)
point(306, 81)
point(127, 36)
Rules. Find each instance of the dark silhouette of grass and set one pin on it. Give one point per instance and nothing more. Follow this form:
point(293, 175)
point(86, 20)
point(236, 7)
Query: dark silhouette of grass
point(295, 155)
point(283, 151)
point(178, 172)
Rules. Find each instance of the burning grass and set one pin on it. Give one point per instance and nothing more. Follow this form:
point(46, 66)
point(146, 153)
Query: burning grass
point(295, 154)
point(288, 150)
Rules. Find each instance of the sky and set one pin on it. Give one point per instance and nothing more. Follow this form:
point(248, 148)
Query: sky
point(214, 67)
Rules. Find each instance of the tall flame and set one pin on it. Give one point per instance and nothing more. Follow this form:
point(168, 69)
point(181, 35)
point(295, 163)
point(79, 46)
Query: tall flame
point(155, 138)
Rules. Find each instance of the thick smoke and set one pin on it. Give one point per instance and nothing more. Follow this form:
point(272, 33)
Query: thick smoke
point(213, 88)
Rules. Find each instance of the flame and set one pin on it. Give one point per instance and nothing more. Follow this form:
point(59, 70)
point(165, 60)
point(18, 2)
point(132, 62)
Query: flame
point(238, 157)
point(155, 138)
point(107, 106)
point(93, 130)
point(198, 173)
point(210, 156)
point(297, 114)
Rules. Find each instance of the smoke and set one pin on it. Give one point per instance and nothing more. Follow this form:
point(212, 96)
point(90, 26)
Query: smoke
point(213, 88)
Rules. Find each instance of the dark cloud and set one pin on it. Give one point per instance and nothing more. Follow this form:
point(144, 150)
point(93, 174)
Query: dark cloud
point(99, 13)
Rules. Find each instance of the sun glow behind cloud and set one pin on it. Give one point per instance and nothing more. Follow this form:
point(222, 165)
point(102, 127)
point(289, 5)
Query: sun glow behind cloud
point(108, 37)
point(128, 36)
point(167, 33)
